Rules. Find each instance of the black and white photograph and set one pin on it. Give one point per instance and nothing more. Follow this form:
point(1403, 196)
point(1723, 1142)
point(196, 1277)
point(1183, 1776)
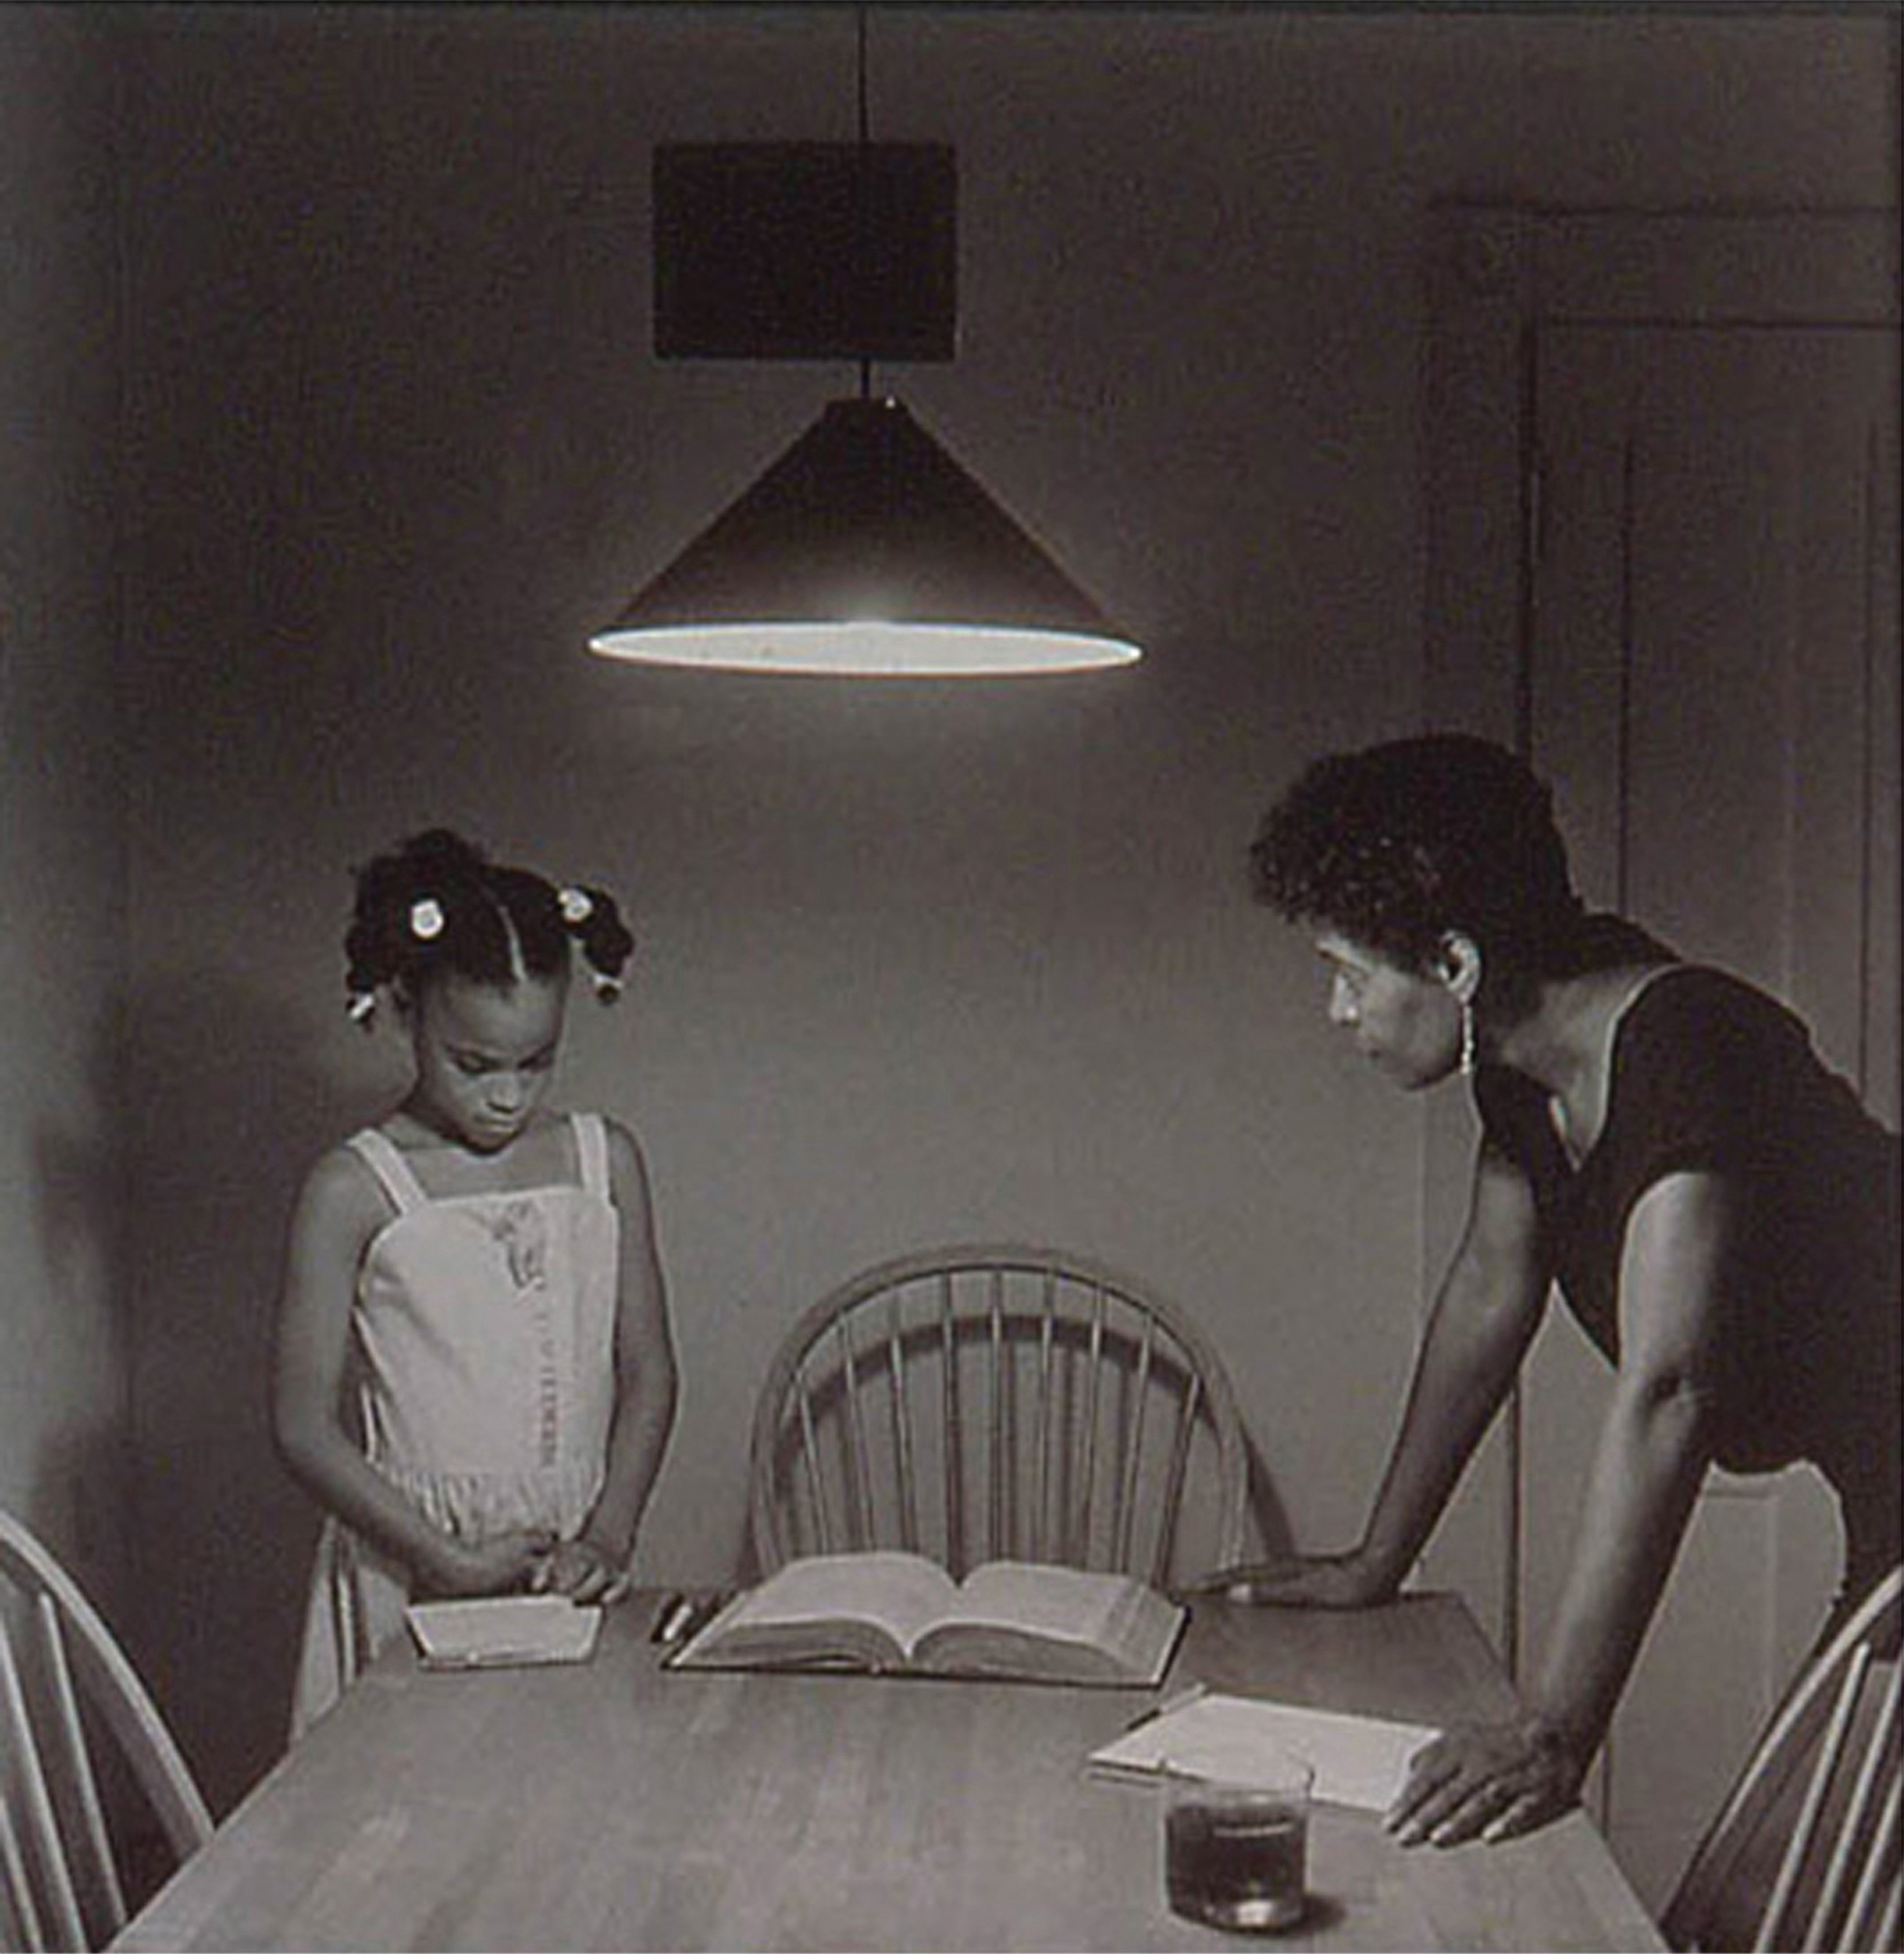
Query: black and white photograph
point(951, 993)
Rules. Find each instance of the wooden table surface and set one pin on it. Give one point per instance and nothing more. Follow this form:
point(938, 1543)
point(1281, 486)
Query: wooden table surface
point(615, 1805)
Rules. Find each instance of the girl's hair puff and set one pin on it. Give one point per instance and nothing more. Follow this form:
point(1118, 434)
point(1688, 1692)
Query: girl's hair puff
point(436, 906)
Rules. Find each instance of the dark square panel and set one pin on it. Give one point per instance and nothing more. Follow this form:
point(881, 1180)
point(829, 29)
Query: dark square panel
point(806, 251)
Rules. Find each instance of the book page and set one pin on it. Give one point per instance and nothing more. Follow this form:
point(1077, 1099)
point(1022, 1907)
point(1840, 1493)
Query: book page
point(1143, 1631)
point(1063, 1602)
point(903, 1593)
point(1027, 1619)
point(502, 1631)
point(1358, 1760)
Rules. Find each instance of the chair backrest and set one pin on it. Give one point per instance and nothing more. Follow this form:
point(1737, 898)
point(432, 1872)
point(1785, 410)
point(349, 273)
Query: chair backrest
point(990, 1402)
point(1804, 1852)
point(78, 1736)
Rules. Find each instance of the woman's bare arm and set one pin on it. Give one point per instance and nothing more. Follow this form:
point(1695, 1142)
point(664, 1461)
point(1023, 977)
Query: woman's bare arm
point(1483, 1319)
point(1680, 1256)
point(1486, 1310)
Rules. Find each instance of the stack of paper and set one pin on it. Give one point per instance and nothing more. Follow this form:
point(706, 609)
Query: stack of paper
point(1357, 1761)
point(503, 1631)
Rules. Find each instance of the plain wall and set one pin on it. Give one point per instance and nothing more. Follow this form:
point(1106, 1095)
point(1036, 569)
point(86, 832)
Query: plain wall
point(65, 1338)
point(918, 962)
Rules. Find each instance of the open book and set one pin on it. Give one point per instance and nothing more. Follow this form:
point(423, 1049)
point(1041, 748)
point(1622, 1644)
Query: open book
point(502, 1631)
point(901, 1613)
point(1358, 1760)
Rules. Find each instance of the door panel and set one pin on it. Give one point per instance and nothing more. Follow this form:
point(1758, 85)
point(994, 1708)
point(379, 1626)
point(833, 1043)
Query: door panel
point(1712, 678)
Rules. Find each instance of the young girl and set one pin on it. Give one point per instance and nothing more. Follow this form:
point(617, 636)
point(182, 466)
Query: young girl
point(486, 1266)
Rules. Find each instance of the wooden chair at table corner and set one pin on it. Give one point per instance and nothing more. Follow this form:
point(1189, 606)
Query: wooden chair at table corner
point(1803, 1853)
point(988, 1402)
point(79, 1736)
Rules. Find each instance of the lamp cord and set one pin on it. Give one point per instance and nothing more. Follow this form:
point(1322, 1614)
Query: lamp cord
point(865, 139)
point(865, 125)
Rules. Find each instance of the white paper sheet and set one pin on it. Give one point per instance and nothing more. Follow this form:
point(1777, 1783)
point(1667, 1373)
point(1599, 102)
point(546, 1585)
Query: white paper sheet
point(503, 1630)
point(1357, 1761)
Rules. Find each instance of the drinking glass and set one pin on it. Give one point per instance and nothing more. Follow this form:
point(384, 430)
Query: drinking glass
point(1235, 1852)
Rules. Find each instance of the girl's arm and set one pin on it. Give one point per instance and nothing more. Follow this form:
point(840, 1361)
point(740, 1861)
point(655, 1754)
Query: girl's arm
point(1679, 1257)
point(1488, 1305)
point(595, 1567)
point(338, 1211)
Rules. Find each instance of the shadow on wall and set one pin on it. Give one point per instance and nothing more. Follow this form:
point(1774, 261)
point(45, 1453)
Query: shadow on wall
point(76, 1501)
point(228, 1105)
point(1263, 1509)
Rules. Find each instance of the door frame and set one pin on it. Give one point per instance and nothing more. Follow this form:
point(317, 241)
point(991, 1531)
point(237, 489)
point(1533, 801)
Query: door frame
point(1496, 278)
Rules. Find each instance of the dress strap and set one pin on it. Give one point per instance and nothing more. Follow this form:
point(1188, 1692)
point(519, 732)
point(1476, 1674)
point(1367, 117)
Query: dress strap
point(382, 1155)
point(591, 1152)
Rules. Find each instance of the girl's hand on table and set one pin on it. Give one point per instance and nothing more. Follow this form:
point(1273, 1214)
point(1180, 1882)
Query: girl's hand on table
point(1301, 1580)
point(583, 1572)
point(501, 1564)
point(1486, 1780)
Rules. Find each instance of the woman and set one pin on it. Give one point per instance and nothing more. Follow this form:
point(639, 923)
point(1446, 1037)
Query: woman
point(1659, 1139)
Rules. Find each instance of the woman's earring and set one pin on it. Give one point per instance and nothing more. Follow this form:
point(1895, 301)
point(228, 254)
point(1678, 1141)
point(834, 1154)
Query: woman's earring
point(1468, 1039)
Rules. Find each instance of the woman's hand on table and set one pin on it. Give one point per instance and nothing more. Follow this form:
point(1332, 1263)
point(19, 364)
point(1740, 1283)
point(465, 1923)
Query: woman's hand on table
point(582, 1570)
point(1301, 1580)
point(1486, 1780)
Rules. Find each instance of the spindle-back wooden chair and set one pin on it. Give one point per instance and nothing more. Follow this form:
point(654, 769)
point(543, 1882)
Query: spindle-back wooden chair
point(68, 1701)
point(1803, 1853)
point(990, 1402)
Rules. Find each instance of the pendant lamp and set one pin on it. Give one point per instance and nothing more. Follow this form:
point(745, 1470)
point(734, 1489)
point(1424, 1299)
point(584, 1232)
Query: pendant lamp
point(867, 547)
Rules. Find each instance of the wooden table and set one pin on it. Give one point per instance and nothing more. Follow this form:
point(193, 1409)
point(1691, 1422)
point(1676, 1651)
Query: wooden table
point(615, 1805)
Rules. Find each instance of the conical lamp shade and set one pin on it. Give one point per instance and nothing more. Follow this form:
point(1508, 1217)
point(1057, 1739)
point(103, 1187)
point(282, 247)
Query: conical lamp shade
point(866, 548)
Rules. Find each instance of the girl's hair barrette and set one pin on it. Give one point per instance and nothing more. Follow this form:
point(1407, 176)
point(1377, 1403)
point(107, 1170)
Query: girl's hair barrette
point(361, 1005)
point(577, 906)
point(426, 919)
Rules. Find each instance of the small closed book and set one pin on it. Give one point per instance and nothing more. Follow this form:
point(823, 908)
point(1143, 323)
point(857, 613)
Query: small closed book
point(503, 1631)
point(1361, 1761)
point(901, 1614)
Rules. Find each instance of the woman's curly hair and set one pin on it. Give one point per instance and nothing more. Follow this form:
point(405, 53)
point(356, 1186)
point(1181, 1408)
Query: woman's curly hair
point(436, 906)
point(1397, 845)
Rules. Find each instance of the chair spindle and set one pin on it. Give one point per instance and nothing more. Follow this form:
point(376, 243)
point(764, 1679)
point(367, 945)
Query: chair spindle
point(42, 1824)
point(1799, 1845)
point(995, 1462)
point(1864, 1902)
point(955, 1450)
point(1173, 1481)
point(1852, 1826)
point(1126, 1489)
point(1095, 1371)
point(859, 1489)
point(902, 1423)
point(810, 1453)
point(103, 1873)
point(1887, 1933)
point(1047, 1314)
point(19, 1889)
